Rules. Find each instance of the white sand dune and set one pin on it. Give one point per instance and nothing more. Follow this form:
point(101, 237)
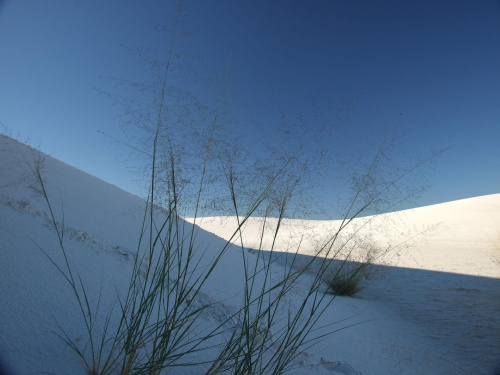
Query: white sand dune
point(445, 279)
point(460, 236)
point(433, 309)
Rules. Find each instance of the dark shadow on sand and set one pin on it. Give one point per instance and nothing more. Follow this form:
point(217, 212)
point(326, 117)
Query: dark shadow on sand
point(460, 313)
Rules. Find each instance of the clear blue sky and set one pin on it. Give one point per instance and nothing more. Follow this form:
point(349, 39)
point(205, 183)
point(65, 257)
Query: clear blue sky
point(435, 62)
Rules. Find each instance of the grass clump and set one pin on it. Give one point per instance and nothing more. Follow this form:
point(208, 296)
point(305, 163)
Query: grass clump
point(157, 324)
point(347, 279)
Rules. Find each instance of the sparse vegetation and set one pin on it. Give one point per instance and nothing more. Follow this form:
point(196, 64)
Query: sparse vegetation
point(153, 327)
point(347, 278)
point(159, 315)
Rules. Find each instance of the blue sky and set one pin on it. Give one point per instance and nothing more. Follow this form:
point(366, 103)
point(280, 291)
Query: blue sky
point(430, 66)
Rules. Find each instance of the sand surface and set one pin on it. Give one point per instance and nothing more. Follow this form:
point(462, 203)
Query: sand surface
point(432, 307)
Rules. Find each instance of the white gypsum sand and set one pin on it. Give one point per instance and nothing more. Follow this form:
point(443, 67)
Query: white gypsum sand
point(434, 310)
point(445, 276)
